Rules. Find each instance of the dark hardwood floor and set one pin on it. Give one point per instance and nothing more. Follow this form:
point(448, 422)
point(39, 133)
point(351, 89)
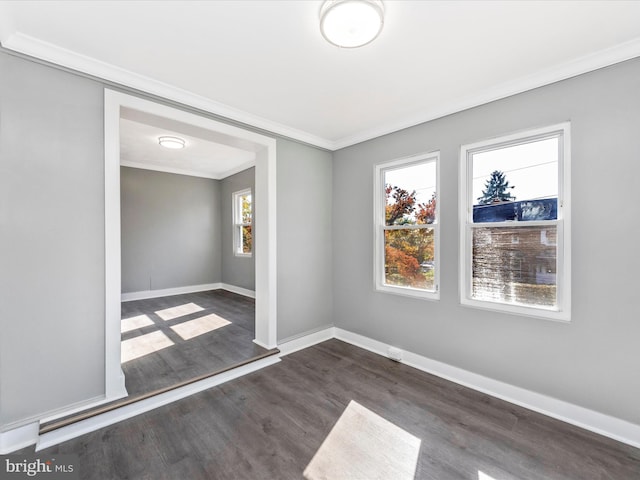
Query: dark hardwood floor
point(184, 359)
point(270, 424)
point(188, 355)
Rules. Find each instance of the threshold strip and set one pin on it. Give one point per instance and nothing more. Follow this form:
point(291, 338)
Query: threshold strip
point(66, 421)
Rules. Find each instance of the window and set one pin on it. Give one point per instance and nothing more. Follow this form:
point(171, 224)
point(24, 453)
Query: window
point(242, 216)
point(515, 235)
point(406, 223)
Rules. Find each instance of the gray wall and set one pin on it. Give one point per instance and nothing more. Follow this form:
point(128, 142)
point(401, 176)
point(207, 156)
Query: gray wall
point(305, 198)
point(171, 234)
point(593, 361)
point(51, 239)
point(237, 271)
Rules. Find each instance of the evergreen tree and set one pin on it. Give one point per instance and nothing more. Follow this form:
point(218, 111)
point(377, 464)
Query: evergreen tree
point(495, 189)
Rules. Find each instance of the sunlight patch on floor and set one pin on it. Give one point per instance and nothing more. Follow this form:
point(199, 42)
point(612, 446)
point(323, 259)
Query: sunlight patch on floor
point(179, 311)
point(484, 476)
point(199, 326)
point(143, 345)
point(363, 445)
point(128, 324)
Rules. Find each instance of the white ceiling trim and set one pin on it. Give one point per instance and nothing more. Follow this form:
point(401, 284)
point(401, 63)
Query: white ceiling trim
point(578, 66)
point(27, 45)
point(184, 171)
point(49, 52)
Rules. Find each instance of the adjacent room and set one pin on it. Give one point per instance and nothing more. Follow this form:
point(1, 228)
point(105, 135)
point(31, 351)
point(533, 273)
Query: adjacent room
point(332, 239)
point(187, 266)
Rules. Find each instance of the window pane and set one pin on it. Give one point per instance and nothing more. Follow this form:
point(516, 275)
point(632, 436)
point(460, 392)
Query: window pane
point(515, 265)
point(246, 239)
point(408, 258)
point(516, 183)
point(245, 208)
point(410, 194)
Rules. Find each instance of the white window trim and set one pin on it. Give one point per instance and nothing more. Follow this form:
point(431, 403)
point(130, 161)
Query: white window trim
point(562, 312)
point(236, 214)
point(379, 224)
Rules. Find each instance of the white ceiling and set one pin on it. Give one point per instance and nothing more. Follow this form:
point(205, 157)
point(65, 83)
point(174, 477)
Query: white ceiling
point(265, 62)
point(204, 155)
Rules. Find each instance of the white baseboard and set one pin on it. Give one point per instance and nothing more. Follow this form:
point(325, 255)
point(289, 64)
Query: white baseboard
point(238, 290)
point(121, 391)
point(299, 343)
point(49, 415)
point(260, 344)
point(612, 427)
point(18, 438)
point(74, 408)
point(100, 421)
point(83, 406)
point(167, 292)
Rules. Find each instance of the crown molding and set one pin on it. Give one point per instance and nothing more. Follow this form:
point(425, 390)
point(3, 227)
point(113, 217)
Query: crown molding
point(572, 68)
point(49, 52)
point(186, 171)
point(33, 47)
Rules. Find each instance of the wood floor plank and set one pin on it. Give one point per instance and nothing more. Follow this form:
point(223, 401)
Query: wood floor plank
point(196, 356)
point(270, 424)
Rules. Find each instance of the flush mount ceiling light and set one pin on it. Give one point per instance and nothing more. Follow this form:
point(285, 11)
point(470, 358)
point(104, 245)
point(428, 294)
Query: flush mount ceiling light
point(351, 23)
point(171, 142)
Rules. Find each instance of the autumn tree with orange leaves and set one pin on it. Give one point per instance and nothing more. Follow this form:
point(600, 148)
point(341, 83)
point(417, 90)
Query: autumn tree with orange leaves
point(407, 249)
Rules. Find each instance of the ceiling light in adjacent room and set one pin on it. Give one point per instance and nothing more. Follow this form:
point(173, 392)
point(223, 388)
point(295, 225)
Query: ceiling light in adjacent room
point(171, 142)
point(351, 23)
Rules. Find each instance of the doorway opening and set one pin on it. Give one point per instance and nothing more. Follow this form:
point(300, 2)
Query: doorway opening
point(262, 151)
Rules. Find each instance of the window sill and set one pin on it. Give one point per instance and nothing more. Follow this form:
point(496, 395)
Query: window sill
point(408, 292)
point(520, 310)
